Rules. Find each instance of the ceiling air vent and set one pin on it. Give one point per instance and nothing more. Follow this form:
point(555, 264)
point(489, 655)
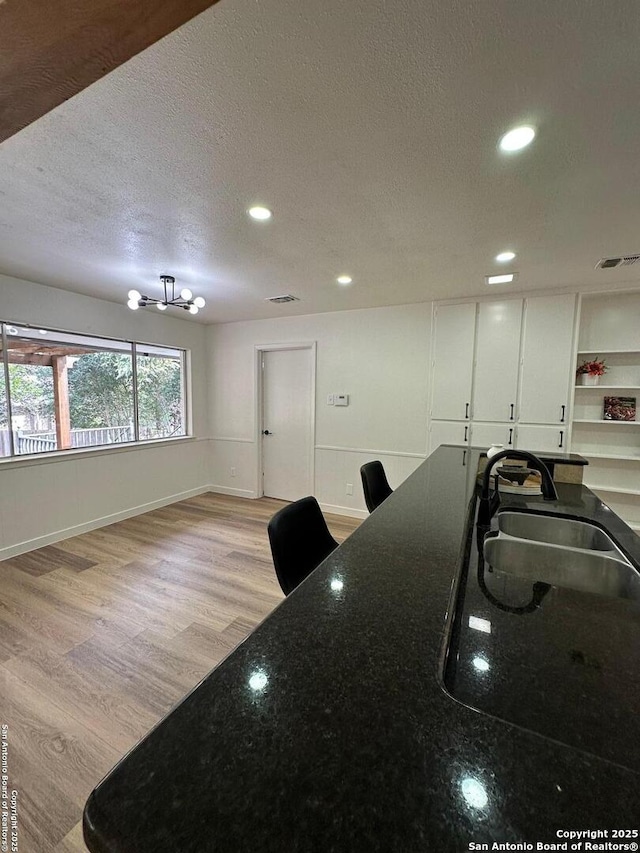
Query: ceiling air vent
point(624, 261)
point(279, 299)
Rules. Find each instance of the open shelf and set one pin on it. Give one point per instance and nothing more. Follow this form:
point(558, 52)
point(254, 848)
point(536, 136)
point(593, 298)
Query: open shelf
point(608, 387)
point(603, 421)
point(609, 331)
point(606, 351)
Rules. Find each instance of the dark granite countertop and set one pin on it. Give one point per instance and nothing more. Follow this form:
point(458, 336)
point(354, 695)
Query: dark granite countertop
point(330, 728)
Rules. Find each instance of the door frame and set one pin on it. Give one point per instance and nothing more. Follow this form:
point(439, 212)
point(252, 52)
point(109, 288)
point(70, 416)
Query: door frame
point(258, 384)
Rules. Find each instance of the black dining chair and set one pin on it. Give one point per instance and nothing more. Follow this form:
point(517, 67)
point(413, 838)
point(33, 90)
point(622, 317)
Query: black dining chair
point(300, 541)
point(374, 484)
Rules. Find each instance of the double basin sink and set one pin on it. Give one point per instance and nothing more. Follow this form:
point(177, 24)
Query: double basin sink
point(560, 551)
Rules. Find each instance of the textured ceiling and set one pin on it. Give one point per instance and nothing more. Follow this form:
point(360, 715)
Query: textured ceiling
point(369, 127)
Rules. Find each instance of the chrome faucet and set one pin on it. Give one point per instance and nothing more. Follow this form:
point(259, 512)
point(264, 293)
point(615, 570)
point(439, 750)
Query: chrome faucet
point(488, 507)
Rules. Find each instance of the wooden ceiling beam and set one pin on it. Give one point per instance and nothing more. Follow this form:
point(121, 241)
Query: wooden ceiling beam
point(26, 346)
point(29, 358)
point(52, 49)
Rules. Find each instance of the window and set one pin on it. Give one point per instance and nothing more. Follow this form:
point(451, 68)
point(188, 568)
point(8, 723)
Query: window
point(5, 444)
point(160, 393)
point(67, 391)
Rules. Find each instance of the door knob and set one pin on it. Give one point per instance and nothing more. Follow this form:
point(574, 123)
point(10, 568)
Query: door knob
point(266, 432)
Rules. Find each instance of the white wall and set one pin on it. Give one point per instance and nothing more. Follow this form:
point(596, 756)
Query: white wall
point(379, 356)
point(45, 500)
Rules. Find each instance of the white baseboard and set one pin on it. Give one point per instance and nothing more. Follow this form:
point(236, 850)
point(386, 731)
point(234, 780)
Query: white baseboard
point(227, 490)
point(336, 509)
point(103, 521)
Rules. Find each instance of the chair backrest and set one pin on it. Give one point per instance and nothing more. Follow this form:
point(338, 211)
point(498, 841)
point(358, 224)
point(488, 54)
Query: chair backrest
point(374, 484)
point(300, 541)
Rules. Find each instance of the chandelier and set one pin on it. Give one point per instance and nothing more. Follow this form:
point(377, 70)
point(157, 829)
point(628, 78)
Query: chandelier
point(185, 298)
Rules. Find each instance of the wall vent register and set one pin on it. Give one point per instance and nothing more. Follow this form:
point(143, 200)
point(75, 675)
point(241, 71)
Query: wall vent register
point(278, 299)
point(622, 261)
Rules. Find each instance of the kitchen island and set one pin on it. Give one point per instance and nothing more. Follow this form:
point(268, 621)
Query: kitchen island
point(331, 728)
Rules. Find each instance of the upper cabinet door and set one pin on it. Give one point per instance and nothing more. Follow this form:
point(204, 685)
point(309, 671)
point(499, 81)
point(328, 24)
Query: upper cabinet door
point(547, 359)
point(453, 361)
point(497, 360)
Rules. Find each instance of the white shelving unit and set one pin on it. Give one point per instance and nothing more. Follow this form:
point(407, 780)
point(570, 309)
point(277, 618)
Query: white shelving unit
point(610, 330)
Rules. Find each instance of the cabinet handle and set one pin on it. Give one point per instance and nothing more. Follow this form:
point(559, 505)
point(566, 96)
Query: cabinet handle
point(510, 442)
point(512, 406)
point(561, 437)
point(466, 430)
point(466, 410)
point(562, 414)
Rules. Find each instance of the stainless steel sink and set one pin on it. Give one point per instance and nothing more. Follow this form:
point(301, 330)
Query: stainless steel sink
point(563, 552)
point(555, 531)
point(575, 568)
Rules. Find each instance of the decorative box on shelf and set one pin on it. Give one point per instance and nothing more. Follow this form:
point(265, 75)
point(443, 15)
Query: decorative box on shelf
point(619, 408)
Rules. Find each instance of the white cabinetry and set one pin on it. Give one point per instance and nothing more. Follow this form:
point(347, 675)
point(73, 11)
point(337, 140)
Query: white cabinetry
point(547, 360)
point(448, 432)
point(542, 438)
point(453, 361)
point(497, 361)
point(503, 373)
point(484, 435)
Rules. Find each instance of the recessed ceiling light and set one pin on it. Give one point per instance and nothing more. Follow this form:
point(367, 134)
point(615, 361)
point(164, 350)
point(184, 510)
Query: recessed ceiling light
point(500, 279)
point(503, 257)
point(344, 279)
point(517, 138)
point(260, 213)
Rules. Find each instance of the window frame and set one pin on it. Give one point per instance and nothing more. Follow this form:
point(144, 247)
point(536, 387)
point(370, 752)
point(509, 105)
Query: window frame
point(133, 345)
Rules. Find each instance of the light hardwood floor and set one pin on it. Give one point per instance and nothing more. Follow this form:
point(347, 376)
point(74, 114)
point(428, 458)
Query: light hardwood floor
point(100, 635)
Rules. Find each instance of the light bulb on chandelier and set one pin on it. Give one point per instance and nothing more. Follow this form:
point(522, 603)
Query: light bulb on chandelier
point(184, 300)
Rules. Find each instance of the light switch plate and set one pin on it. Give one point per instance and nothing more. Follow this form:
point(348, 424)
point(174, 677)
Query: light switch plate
point(330, 400)
point(341, 399)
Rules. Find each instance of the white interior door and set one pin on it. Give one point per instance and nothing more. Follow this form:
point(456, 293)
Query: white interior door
point(287, 425)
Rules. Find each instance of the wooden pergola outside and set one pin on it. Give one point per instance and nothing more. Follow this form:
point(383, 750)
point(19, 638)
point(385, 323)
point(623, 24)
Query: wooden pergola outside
point(56, 356)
